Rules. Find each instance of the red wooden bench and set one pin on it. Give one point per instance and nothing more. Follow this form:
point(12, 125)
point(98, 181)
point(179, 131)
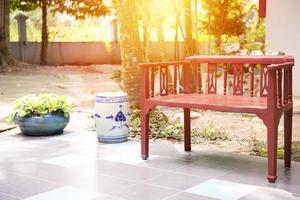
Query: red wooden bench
point(169, 84)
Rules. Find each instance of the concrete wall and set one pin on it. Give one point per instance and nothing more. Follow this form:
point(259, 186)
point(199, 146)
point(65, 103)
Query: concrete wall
point(283, 32)
point(84, 53)
point(61, 53)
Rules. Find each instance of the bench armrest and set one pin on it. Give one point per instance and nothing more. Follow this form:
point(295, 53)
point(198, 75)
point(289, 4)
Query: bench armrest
point(280, 80)
point(165, 70)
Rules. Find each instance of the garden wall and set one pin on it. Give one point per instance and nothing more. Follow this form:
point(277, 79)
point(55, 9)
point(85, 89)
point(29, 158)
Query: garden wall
point(84, 53)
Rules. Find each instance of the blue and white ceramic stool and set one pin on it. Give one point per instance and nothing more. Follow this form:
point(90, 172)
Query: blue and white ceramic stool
point(112, 117)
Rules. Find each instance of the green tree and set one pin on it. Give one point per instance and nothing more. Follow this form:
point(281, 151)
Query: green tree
point(255, 31)
point(223, 17)
point(131, 49)
point(5, 57)
point(78, 8)
point(151, 16)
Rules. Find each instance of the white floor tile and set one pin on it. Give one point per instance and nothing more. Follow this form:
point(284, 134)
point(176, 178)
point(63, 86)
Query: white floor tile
point(131, 158)
point(69, 160)
point(75, 137)
point(65, 193)
point(124, 146)
point(221, 189)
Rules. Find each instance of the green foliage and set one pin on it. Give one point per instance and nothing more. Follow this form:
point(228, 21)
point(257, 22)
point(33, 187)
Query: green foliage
point(255, 26)
point(160, 127)
point(223, 18)
point(259, 148)
point(82, 8)
point(78, 8)
point(22, 5)
point(296, 151)
point(117, 76)
point(40, 105)
point(211, 132)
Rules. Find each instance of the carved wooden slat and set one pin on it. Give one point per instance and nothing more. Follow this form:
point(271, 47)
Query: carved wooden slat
point(238, 80)
point(164, 80)
point(290, 85)
point(152, 79)
point(180, 78)
point(263, 81)
point(199, 79)
point(212, 78)
point(175, 79)
point(225, 79)
point(252, 80)
point(145, 91)
point(279, 83)
point(285, 86)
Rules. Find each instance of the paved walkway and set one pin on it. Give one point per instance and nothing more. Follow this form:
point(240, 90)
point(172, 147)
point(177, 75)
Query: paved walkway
point(74, 166)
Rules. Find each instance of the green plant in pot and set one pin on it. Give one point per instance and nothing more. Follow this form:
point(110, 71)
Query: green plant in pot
point(41, 115)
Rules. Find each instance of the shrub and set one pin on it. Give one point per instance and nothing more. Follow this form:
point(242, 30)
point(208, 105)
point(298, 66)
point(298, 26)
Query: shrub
point(259, 148)
point(161, 128)
point(209, 132)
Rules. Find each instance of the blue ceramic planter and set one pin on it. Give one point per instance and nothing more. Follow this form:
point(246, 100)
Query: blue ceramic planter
point(50, 124)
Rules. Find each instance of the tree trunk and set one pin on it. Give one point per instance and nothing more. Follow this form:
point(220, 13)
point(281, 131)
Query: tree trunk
point(218, 42)
point(191, 48)
point(161, 42)
point(218, 39)
point(131, 51)
point(189, 42)
point(5, 57)
point(146, 28)
point(44, 45)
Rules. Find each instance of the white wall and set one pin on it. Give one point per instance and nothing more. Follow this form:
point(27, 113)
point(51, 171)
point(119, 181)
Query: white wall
point(283, 32)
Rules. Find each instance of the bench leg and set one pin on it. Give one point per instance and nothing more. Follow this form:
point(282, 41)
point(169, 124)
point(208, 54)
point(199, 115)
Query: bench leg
point(272, 137)
point(288, 115)
point(187, 129)
point(144, 135)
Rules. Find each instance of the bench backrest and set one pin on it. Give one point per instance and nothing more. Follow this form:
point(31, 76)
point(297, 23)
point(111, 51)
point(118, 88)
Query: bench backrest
point(234, 71)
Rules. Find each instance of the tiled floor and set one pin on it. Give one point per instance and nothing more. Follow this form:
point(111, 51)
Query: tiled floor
point(74, 166)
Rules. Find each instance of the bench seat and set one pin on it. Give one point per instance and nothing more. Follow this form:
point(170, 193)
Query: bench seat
point(224, 103)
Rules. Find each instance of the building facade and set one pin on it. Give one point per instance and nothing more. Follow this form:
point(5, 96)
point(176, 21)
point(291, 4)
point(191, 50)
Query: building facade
point(283, 32)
